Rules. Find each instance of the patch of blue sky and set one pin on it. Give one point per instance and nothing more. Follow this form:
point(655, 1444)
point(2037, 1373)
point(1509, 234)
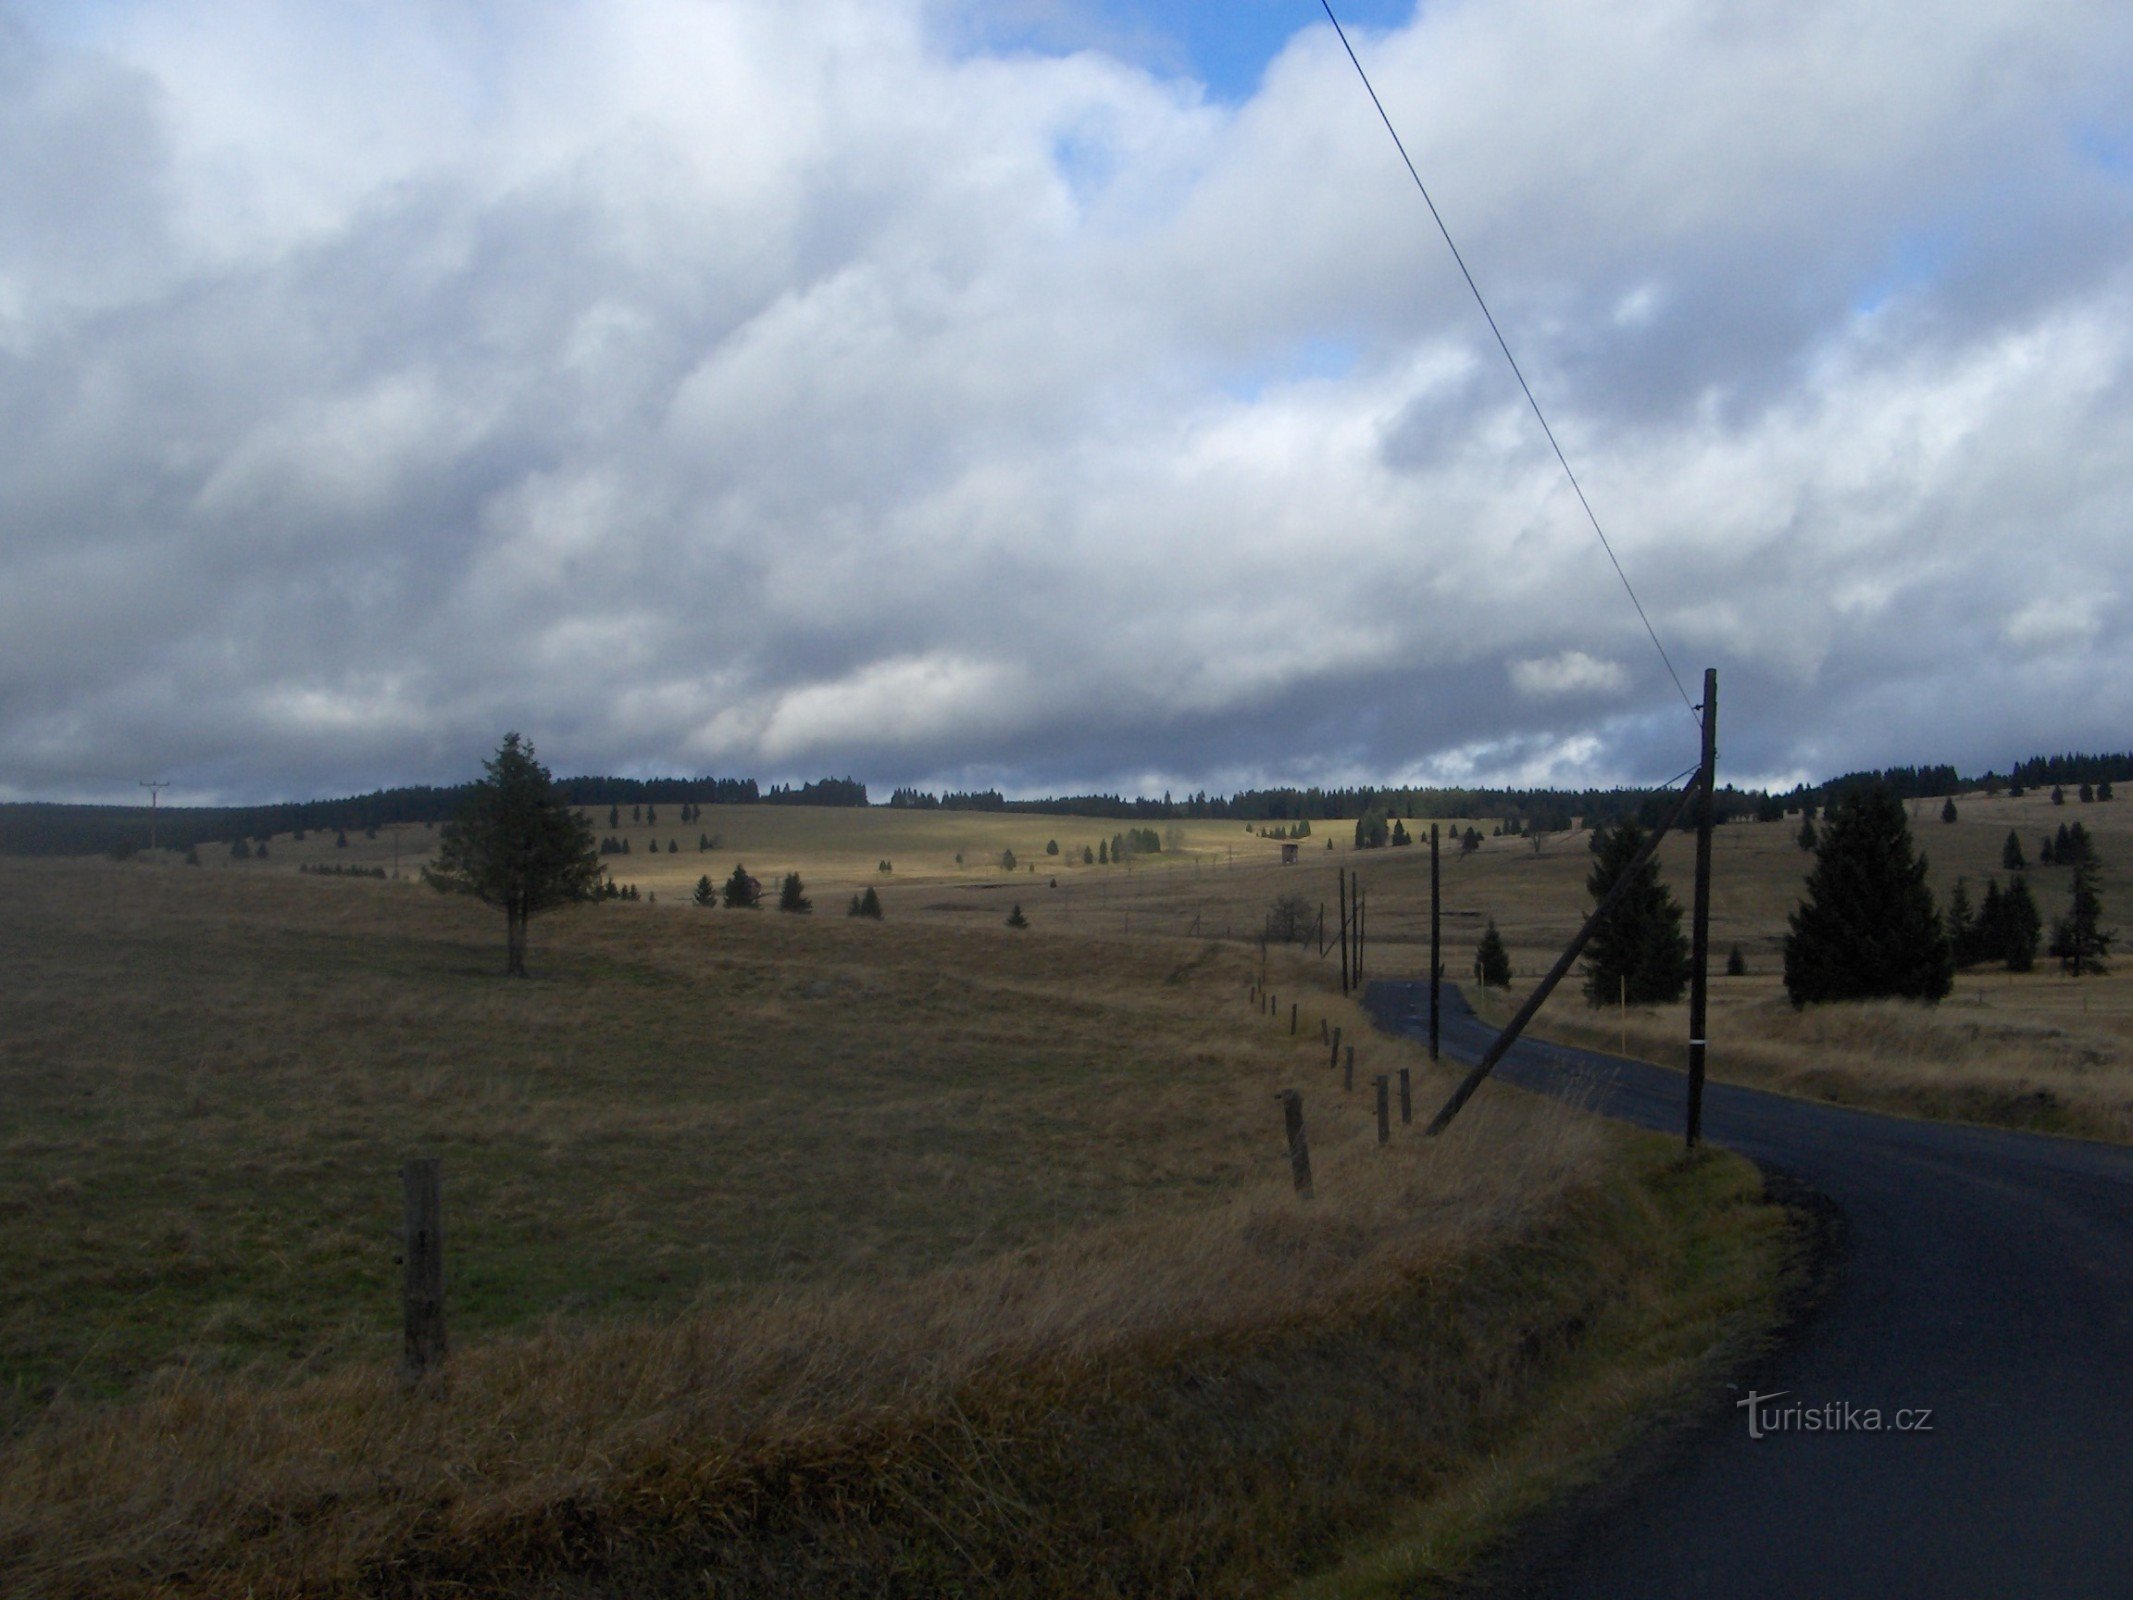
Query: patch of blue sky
point(1087, 162)
point(1301, 362)
point(1915, 261)
point(2111, 149)
point(1223, 45)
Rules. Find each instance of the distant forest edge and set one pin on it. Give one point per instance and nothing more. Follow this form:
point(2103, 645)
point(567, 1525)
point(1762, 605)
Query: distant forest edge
point(41, 828)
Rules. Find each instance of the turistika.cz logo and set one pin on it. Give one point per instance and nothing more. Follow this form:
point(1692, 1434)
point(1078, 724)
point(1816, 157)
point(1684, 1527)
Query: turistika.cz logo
point(1766, 1417)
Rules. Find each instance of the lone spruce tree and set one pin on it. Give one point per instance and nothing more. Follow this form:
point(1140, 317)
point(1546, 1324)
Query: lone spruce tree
point(1639, 948)
point(1868, 927)
point(515, 844)
point(2079, 939)
point(1492, 962)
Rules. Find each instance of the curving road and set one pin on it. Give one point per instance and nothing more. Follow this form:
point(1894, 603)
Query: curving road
point(1986, 1279)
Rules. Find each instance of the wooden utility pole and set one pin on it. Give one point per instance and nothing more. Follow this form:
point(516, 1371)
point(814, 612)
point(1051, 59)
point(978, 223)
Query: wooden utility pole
point(155, 787)
point(1700, 925)
point(1341, 878)
point(1436, 931)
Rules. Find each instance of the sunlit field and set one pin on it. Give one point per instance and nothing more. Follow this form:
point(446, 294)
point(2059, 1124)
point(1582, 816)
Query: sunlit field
point(780, 1250)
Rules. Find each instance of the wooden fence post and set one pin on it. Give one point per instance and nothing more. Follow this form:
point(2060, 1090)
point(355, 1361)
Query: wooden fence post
point(1348, 1074)
point(1384, 1109)
point(1292, 1018)
point(1292, 1116)
point(1407, 1099)
point(1334, 1059)
point(422, 1256)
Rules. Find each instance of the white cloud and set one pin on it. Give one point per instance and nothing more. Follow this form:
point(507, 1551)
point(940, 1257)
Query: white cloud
point(780, 388)
point(1572, 672)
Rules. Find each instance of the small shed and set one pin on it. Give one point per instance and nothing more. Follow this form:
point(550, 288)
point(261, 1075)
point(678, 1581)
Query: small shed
point(1288, 854)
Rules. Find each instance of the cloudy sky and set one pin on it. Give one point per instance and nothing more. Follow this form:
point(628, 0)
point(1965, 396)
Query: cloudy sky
point(1055, 395)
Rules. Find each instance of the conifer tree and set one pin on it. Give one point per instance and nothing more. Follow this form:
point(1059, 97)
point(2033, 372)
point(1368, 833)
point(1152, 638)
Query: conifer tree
point(2021, 927)
point(865, 905)
point(1015, 918)
point(1806, 836)
point(1087, 859)
point(741, 892)
point(1947, 809)
point(1868, 927)
point(515, 844)
point(1961, 925)
point(1492, 962)
point(1051, 847)
point(1736, 963)
point(706, 892)
point(792, 897)
point(1988, 935)
point(2079, 939)
point(1639, 946)
point(2011, 853)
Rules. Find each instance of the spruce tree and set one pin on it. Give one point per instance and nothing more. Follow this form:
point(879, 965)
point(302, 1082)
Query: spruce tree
point(2021, 926)
point(1988, 935)
point(742, 893)
point(869, 904)
point(706, 893)
point(1868, 927)
point(1015, 918)
point(1736, 963)
point(2079, 939)
point(1088, 859)
point(1947, 809)
point(1639, 946)
point(1806, 835)
point(515, 844)
point(792, 896)
point(1961, 925)
point(2011, 853)
point(1492, 962)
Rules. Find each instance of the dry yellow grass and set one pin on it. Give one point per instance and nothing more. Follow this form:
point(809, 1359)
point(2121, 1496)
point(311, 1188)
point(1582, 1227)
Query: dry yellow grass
point(792, 1250)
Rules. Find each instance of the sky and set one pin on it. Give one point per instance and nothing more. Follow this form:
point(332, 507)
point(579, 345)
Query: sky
point(1056, 397)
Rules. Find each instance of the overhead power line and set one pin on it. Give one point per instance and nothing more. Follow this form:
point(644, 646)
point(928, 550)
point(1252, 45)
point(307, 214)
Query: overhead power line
point(1504, 345)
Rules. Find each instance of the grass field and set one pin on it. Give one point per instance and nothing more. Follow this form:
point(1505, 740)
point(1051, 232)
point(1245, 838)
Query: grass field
point(2035, 1050)
point(788, 1249)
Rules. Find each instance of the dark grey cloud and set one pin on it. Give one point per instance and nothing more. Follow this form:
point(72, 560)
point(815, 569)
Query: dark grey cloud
point(736, 388)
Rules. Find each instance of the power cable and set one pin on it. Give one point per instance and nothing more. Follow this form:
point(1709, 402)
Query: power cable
point(1504, 345)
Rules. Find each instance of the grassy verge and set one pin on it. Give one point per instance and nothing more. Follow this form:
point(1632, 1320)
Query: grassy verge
point(2043, 1053)
point(1364, 1395)
point(1679, 1270)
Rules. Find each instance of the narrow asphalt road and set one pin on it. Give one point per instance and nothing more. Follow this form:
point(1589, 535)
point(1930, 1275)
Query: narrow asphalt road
point(1984, 1300)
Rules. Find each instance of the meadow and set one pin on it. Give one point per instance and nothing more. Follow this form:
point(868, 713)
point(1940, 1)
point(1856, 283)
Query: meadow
point(2035, 1050)
point(788, 1255)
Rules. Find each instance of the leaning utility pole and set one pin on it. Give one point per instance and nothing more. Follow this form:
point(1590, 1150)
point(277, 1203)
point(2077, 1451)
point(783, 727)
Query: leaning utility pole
point(155, 787)
point(1700, 925)
point(1563, 963)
